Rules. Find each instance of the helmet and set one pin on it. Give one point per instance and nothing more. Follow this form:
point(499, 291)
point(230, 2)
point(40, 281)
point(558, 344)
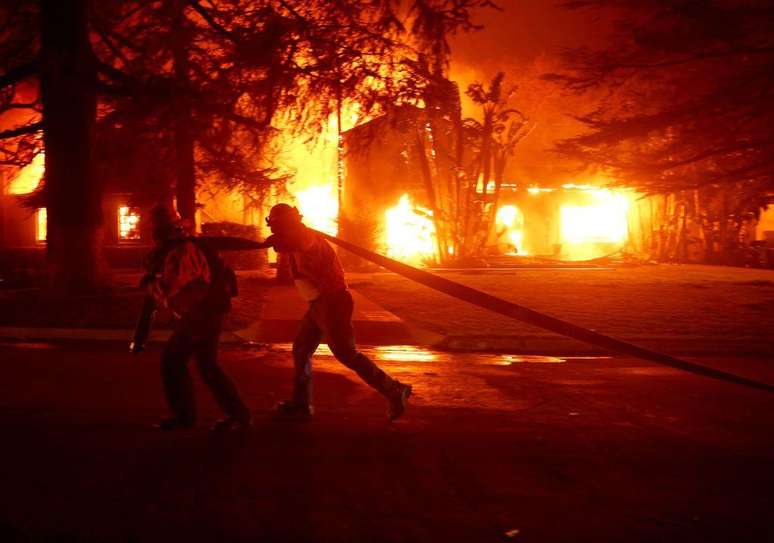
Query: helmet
point(165, 222)
point(283, 213)
point(163, 215)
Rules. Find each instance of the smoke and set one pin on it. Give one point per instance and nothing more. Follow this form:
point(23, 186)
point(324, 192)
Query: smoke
point(525, 40)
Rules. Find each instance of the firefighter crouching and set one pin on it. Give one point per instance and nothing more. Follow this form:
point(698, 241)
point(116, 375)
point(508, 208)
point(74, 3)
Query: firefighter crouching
point(194, 283)
point(319, 278)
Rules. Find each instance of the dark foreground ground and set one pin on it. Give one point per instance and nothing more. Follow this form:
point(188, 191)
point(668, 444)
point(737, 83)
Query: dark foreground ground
point(494, 448)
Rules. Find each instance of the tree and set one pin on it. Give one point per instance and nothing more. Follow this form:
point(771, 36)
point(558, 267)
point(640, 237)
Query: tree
point(690, 101)
point(56, 51)
point(228, 74)
point(494, 137)
point(73, 195)
point(441, 138)
point(689, 105)
point(182, 79)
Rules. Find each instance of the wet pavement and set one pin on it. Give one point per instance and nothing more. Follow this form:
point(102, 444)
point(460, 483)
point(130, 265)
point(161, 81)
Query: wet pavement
point(494, 447)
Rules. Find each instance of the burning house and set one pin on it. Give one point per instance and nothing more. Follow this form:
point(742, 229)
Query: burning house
point(23, 225)
point(386, 202)
point(126, 206)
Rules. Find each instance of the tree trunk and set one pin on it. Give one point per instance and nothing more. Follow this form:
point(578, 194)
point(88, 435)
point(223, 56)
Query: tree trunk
point(442, 215)
point(185, 165)
point(73, 194)
point(339, 152)
point(457, 173)
point(723, 251)
point(427, 176)
point(643, 232)
point(664, 230)
point(682, 234)
point(468, 221)
point(499, 160)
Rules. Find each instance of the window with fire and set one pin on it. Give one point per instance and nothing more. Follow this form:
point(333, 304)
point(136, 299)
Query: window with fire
point(41, 225)
point(128, 223)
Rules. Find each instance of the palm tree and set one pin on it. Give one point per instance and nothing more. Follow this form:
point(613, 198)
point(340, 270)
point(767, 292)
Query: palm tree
point(494, 138)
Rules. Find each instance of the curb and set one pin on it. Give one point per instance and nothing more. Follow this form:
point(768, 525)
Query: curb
point(565, 346)
point(92, 334)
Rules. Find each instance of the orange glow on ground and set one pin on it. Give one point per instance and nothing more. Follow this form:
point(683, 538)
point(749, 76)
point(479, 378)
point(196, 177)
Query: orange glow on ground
point(410, 233)
point(404, 353)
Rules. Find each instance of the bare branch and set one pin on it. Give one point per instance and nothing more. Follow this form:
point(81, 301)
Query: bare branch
point(207, 16)
point(21, 130)
point(19, 73)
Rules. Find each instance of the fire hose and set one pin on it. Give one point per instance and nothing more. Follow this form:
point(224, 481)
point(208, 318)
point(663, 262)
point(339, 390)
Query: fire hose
point(541, 320)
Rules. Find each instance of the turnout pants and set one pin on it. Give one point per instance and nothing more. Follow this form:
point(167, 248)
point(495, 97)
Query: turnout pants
point(330, 317)
point(197, 336)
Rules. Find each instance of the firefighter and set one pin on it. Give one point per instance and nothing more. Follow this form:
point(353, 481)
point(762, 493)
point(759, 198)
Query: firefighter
point(196, 286)
point(319, 278)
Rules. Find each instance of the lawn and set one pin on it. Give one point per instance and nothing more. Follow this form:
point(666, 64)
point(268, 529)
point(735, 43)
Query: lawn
point(691, 308)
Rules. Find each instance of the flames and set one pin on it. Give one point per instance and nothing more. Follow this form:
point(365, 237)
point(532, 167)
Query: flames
point(510, 228)
point(592, 222)
point(596, 224)
point(128, 223)
point(28, 178)
point(41, 225)
point(320, 207)
point(410, 232)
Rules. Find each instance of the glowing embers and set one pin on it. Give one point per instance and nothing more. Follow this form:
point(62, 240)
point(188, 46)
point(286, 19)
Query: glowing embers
point(320, 207)
point(410, 232)
point(128, 224)
point(599, 216)
point(41, 225)
point(510, 229)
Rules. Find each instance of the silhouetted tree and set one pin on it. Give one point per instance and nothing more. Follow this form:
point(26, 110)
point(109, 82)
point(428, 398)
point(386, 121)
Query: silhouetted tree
point(441, 139)
point(48, 41)
point(181, 78)
point(689, 107)
point(690, 101)
point(494, 137)
point(229, 76)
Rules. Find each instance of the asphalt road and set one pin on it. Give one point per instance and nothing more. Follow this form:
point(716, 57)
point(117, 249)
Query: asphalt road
point(493, 448)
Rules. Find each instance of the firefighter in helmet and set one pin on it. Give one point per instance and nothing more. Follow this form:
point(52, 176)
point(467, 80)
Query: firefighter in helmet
point(319, 279)
point(193, 282)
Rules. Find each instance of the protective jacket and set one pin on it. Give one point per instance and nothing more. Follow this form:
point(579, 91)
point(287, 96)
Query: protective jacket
point(315, 265)
point(192, 278)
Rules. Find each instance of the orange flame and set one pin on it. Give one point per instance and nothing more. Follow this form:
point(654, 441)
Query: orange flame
point(41, 225)
point(601, 221)
point(320, 207)
point(510, 223)
point(128, 223)
point(28, 178)
point(410, 232)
